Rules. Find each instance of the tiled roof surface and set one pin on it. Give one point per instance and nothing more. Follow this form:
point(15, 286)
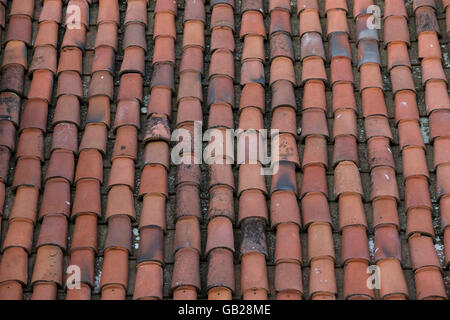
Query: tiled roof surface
point(92, 90)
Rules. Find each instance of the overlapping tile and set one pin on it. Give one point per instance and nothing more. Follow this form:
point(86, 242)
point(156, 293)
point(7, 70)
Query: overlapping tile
point(120, 212)
point(347, 181)
point(284, 208)
point(314, 189)
point(88, 179)
point(152, 223)
point(30, 148)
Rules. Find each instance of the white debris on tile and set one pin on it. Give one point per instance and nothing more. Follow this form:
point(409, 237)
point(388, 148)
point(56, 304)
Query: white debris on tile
point(425, 129)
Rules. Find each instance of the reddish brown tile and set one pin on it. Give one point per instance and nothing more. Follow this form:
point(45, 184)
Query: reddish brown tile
point(47, 34)
point(28, 173)
point(311, 45)
point(252, 23)
point(429, 45)
point(429, 284)
point(391, 272)
point(351, 211)
point(284, 208)
point(69, 82)
point(282, 95)
point(410, 135)
point(406, 106)
point(282, 69)
point(222, 37)
point(136, 12)
point(249, 205)
point(280, 46)
point(380, 153)
point(336, 21)
point(65, 137)
point(315, 151)
point(220, 278)
point(313, 69)
point(347, 179)
point(315, 209)
point(44, 58)
point(87, 197)
point(355, 281)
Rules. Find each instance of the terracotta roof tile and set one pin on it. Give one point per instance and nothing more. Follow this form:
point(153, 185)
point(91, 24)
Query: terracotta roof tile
point(222, 37)
point(315, 152)
point(280, 21)
point(315, 208)
point(285, 178)
point(108, 11)
point(429, 283)
point(312, 45)
point(10, 107)
point(426, 19)
point(15, 54)
point(336, 20)
point(12, 79)
point(133, 60)
point(221, 278)
point(55, 199)
point(284, 208)
point(48, 34)
point(153, 211)
point(19, 29)
point(341, 70)
point(363, 32)
point(55, 274)
point(61, 165)
point(87, 197)
point(221, 94)
point(283, 119)
point(392, 283)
